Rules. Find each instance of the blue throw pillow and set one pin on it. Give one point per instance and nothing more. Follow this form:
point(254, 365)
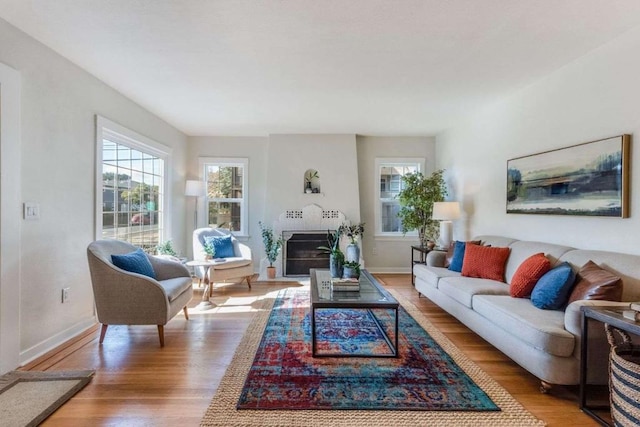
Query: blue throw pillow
point(135, 262)
point(222, 244)
point(553, 289)
point(458, 256)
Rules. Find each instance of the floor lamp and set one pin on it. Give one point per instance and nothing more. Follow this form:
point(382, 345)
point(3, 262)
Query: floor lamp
point(445, 212)
point(195, 189)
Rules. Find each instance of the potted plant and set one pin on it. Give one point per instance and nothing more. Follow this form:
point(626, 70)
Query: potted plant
point(336, 257)
point(416, 199)
point(351, 270)
point(271, 247)
point(209, 250)
point(352, 232)
point(166, 248)
point(308, 178)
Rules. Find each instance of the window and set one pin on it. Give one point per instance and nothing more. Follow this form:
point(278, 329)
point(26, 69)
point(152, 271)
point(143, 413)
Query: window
point(227, 188)
point(132, 201)
point(389, 173)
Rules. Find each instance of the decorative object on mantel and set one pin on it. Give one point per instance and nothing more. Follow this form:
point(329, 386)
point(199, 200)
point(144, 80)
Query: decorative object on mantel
point(590, 179)
point(271, 247)
point(352, 250)
point(416, 199)
point(445, 212)
point(311, 179)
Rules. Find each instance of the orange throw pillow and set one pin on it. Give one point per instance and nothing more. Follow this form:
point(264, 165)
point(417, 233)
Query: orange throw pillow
point(485, 262)
point(528, 274)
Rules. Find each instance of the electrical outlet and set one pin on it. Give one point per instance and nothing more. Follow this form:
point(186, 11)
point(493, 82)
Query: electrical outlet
point(65, 295)
point(374, 250)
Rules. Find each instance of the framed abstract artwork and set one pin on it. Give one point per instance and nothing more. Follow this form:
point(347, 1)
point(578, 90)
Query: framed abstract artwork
point(589, 179)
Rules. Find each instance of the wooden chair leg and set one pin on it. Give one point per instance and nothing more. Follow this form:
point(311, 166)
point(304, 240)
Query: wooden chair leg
point(161, 334)
point(186, 314)
point(248, 281)
point(545, 387)
point(103, 332)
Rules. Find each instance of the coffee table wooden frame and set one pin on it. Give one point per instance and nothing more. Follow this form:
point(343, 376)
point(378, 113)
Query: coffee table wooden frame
point(387, 302)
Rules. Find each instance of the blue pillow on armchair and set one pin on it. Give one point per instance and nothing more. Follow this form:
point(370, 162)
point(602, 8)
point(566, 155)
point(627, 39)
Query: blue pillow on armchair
point(458, 256)
point(134, 262)
point(222, 244)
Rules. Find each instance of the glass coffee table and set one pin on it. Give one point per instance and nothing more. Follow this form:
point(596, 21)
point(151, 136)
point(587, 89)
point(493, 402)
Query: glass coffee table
point(371, 296)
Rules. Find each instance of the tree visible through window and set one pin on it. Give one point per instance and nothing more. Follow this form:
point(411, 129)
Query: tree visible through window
point(226, 191)
point(389, 173)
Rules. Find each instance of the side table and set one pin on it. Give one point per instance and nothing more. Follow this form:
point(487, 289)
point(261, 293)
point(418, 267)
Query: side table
point(612, 316)
point(208, 286)
point(422, 258)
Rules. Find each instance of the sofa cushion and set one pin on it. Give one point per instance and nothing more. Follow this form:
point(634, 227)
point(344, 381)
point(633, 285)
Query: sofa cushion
point(134, 262)
point(595, 283)
point(431, 275)
point(528, 274)
point(542, 329)
point(521, 250)
point(176, 286)
point(552, 290)
point(222, 244)
point(231, 262)
point(484, 262)
point(463, 289)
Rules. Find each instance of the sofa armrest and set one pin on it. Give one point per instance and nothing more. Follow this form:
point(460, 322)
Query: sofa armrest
point(436, 258)
point(573, 313)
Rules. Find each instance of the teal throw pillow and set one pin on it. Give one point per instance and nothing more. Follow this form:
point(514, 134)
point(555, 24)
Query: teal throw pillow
point(554, 287)
point(134, 262)
point(458, 256)
point(222, 244)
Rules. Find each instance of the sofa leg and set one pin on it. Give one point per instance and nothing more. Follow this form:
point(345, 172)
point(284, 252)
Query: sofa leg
point(161, 334)
point(545, 387)
point(248, 281)
point(186, 314)
point(103, 332)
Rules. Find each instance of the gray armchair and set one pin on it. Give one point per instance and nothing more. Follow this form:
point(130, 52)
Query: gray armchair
point(240, 266)
point(125, 298)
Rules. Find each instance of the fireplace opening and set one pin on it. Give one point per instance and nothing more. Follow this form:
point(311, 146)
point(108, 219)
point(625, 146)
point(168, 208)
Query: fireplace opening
point(301, 252)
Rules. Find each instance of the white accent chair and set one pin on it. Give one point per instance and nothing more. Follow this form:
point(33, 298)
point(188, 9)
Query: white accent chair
point(239, 266)
point(125, 298)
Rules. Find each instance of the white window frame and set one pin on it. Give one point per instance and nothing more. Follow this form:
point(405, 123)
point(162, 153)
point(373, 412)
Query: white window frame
point(106, 128)
point(244, 202)
point(381, 162)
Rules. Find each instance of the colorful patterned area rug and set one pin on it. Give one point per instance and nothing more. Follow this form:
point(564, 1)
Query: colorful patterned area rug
point(284, 375)
point(223, 409)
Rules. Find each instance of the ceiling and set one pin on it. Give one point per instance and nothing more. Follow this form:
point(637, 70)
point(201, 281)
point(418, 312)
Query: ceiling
point(372, 67)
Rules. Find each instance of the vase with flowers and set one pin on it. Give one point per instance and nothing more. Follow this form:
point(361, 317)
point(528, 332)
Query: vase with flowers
point(352, 251)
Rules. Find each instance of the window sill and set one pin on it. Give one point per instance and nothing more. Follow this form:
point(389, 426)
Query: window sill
point(396, 238)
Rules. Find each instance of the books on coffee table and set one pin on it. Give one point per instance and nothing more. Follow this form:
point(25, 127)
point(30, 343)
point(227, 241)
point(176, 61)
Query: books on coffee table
point(345, 285)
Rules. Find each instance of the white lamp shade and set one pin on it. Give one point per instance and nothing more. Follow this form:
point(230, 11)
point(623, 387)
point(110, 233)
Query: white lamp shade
point(194, 188)
point(446, 211)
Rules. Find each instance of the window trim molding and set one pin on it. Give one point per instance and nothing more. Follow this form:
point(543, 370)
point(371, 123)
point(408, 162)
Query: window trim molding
point(386, 161)
point(228, 161)
point(132, 139)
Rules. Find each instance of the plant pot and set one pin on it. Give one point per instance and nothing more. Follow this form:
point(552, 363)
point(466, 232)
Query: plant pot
point(335, 266)
point(208, 257)
point(352, 253)
point(350, 273)
point(271, 272)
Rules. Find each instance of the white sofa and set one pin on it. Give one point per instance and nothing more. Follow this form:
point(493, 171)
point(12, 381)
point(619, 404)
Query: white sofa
point(544, 342)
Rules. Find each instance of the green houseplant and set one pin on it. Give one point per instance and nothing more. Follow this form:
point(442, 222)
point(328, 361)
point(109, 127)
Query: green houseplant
point(416, 199)
point(166, 248)
point(271, 247)
point(209, 250)
point(351, 270)
point(352, 232)
point(336, 257)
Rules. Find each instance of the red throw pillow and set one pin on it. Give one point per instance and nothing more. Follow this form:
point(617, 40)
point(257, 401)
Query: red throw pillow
point(528, 274)
point(485, 262)
point(452, 245)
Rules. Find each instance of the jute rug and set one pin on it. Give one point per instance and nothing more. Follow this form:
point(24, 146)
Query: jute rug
point(28, 397)
point(222, 410)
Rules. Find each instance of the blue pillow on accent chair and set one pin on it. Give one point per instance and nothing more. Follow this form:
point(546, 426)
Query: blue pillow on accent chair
point(458, 256)
point(222, 244)
point(554, 287)
point(134, 262)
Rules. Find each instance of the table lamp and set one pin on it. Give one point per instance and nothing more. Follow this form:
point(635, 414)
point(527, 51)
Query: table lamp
point(445, 212)
point(195, 189)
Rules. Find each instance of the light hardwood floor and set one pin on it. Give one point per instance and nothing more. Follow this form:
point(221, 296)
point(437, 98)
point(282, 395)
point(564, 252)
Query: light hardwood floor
point(137, 383)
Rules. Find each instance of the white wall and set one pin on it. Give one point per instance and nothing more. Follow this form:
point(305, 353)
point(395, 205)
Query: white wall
point(592, 98)
point(391, 254)
point(59, 103)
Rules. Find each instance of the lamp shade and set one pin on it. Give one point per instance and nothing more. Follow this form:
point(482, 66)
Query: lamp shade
point(446, 211)
point(194, 188)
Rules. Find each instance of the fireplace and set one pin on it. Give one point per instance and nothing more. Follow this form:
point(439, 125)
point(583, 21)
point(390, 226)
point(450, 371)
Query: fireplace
point(301, 252)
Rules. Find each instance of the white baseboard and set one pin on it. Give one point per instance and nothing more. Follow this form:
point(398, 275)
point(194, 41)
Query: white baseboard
point(49, 344)
point(389, 270)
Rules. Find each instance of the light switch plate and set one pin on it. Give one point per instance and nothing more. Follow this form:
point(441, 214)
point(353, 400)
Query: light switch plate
point(31, 211)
